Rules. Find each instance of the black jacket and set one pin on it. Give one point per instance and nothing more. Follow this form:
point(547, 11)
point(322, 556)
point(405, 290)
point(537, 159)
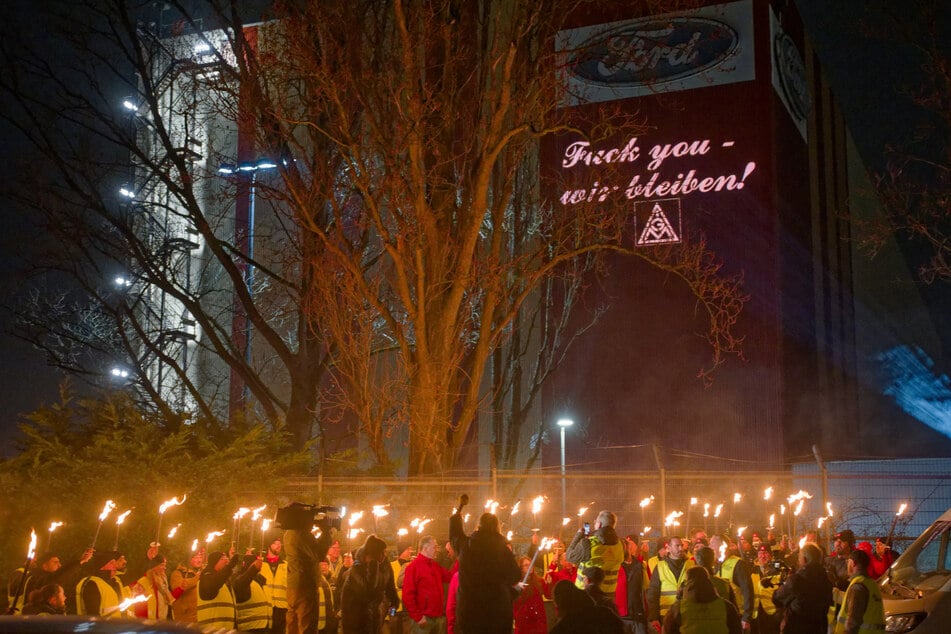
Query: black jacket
point(806, 595)
point(634, 575)
point(487, 572)
point(366, 588)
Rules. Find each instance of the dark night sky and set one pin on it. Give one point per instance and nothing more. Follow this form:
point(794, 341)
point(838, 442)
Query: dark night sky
point(867, 78)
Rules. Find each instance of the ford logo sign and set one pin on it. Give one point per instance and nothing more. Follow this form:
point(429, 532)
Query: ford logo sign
point(648, 51)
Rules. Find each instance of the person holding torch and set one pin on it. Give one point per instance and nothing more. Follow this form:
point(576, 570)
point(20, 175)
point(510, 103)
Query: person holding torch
point(487, 575)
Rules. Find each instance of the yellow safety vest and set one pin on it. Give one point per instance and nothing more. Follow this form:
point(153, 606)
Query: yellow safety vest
point(607, 558)
point(669, 585)
point(108, 598)
point(703, 618)
point(255, 613)
point(764, 596)
point(325, 601)
point(218, 613)
point(726, 571)
point(874, 618)
point(276, 588)
point(20, 599)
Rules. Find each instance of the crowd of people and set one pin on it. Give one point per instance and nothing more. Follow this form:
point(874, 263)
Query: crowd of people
point(476, 584)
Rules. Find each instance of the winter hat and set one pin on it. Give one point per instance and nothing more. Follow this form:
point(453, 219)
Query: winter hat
point(103, 557)
point(374, 547)
point(213, 559)
point(157, 561)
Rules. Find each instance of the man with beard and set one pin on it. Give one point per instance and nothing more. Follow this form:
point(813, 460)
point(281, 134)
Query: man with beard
point(666, 580)
point(274, 572)
point(100, 593)
point(50, 599)
point(184, 586)
point(488, 574)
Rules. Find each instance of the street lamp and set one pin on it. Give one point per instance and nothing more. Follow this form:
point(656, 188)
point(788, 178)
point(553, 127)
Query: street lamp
point(564, 423)
point(228, 169)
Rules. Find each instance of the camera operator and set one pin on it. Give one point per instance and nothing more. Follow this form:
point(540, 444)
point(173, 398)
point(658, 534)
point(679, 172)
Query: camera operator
point(304, 554)
point(806, 595)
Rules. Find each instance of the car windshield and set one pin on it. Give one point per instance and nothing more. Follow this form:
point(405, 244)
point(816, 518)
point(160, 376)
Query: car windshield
point(926, 565)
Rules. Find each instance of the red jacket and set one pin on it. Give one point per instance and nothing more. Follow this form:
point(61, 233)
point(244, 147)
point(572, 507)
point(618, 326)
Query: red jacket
point(422, 588)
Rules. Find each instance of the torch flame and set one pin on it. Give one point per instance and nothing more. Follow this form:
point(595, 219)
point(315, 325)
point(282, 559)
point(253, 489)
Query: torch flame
point(172, 532)
point(582, 511)
point(211, 536)
point(465, 518)
point(422, 525)
point(170, 503)
point(241, 512)
point(402, 532)
point(646, 501)
point(799, 508)
point(31, 552)
point(829, 508)
point(802, 542)
point(901, 509)
point(694, 501)
point(646, 530)
point(55, 525)
point(195, 545)
point(772, 520)
point(798, 496)
point(537, 504)
point(414, 523)
point(355, 517)
point(489, 503)
point(354, 532)
point(265, 524)
point(128, 603)
point(722, 549)
point(121, 518)
point(716, 512)
point(821, 521)
point(107, 509)
point(515, 506)
point(671, 520)
point(565, 521)
point(706, 509)
point(740, 531)
point(768, 493)
point(782, 509)
point(256, 513)
point(737, 497)
point(379, 510)
point(494, 508)
point(508, 536)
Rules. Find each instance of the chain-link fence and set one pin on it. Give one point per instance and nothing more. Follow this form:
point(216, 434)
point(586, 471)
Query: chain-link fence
point(862, 499)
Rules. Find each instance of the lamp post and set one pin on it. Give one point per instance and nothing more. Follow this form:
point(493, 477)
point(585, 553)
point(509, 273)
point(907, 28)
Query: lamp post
point(252, 169)
point(564, 423)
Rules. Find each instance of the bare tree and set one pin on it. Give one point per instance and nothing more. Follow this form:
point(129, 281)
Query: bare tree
point(410, 265)
point(914, 185)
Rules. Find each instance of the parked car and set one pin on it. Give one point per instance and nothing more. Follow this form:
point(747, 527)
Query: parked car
point(917, 588)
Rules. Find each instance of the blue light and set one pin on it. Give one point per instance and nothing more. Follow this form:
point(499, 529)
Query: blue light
point(915, 387)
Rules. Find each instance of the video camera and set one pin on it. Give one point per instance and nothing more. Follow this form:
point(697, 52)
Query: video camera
point(780, 568)
point(303, 517)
